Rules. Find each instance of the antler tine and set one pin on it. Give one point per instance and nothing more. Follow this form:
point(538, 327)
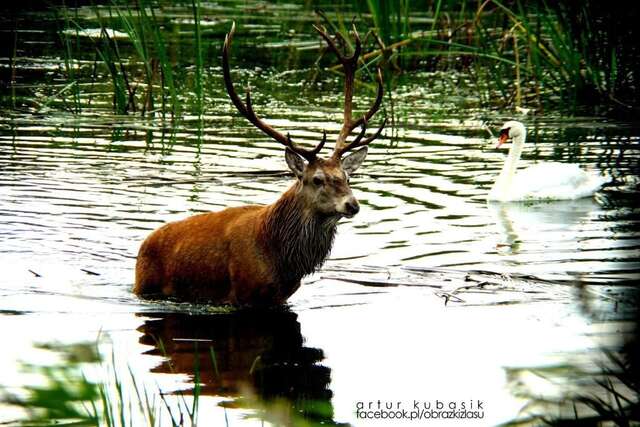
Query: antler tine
point(330, 42)
point(363, 129)
point(227, 74)
point(316, 150)
point(344, 59)
point(358, 141)
point(350, 65)
point(358, 49)
point(246, 109)
point(349, 125)
point(307, 154)
point(372, 137)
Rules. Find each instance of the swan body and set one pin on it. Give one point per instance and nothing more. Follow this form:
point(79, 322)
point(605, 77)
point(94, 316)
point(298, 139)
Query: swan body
point(544, 181)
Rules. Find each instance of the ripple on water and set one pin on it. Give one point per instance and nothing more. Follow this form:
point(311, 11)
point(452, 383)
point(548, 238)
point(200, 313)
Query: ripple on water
point(78, 193)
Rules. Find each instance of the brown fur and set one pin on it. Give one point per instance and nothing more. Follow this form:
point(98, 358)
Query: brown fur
point(249, 255)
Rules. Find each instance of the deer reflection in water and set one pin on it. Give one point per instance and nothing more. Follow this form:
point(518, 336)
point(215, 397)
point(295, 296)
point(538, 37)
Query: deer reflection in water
point(259, 351)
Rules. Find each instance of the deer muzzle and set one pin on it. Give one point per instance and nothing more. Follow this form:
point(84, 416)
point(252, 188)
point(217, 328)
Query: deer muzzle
point(349, 207)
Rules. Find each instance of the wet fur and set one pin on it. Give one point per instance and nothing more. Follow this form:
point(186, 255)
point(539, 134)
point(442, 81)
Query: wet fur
point(244, 256)
point(301, 242)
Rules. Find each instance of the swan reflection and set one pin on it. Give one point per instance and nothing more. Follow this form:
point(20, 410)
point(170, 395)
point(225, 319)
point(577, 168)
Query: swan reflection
point(540, 224)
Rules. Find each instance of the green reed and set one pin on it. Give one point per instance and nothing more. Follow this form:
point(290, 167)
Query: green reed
point(390, 18)
point(140, 68)
point(68, 397)
point(611, 397)
point(163, 58)
point(195, 6)
point(108, 50)
point(135, 25)
point(69, 59)
point(519, 53)
point(145, 33)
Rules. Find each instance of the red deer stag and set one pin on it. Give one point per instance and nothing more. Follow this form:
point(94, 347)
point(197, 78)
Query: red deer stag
point(256, 255)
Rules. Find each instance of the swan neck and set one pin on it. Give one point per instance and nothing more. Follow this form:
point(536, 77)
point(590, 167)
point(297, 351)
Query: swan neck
point(511, 164)
point(503, 183)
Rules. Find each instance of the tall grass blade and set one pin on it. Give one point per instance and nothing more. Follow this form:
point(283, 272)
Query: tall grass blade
point(195, 4)
point(68, 58)
point(166, 67)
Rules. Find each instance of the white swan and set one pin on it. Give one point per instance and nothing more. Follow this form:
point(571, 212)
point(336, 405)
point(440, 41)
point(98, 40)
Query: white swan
point(544, 181)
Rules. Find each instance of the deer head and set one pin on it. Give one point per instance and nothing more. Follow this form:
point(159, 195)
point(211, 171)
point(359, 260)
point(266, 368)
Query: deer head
point(323, 183)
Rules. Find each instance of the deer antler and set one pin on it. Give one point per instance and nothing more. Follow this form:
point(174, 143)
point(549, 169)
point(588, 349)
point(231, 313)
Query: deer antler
point(246, 108)
point(350, 66)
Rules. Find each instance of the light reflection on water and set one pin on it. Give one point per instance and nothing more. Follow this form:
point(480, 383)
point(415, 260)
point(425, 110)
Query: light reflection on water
point(71, 206)
point(422, 202)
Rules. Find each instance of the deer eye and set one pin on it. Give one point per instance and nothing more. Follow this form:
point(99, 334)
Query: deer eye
point(318, 181)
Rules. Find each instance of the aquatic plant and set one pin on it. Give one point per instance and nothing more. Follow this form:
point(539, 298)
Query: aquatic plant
point(195, 5)
point(117, 398)
point(108, 50)
point(520, 54)
point(611, 397)
point(68, 63)
point(131, 46)
point(86, 389)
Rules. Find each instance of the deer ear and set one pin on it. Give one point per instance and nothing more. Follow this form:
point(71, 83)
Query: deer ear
point(295, 162)
point(353, 161)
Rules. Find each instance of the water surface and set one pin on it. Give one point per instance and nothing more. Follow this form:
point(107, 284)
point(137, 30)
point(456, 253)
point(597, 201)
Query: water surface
point(430, 292)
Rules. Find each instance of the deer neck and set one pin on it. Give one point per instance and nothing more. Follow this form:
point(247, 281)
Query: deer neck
point(298, 239)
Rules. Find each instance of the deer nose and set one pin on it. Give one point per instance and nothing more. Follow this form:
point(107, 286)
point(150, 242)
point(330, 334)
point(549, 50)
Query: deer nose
point(352, 207)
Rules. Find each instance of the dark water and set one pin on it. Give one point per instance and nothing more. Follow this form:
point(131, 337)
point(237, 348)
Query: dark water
point(430, 293)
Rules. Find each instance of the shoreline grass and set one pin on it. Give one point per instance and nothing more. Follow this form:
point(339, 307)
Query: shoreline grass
point(534, 55)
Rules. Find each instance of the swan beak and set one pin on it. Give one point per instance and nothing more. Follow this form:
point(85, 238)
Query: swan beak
point(502, 139)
